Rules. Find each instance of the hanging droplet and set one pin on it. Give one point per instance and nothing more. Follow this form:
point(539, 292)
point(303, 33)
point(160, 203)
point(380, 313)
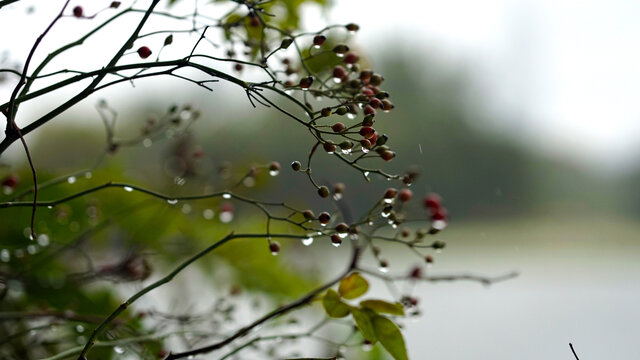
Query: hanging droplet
point(128, 188)
point(343, 235)
point(208, 214)
point(383, 269)
point(172, 201)
point(186, 209)
point(366, 173)
point(365, 150)
point(5, 255)
point(337, 196)
point(43, 240)
point(336, 244)
point(274, 172)
point(351, 116)
point(346, 151)
point(118, 349)
point(147, 143)
point(71, 179)
point(49, 207)
point(307, 241)
point(226, 216)
point(226, 196)
point(32, 249)
point(337, 80)
point(88, 175)
point(388, 201)
point(439, 224)
point(79, 329)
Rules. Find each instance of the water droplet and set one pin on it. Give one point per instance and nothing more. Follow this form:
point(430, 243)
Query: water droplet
point(226, 216)
point(118, 349)
point(79, 329)
point(319, 233)
point(226, 196)
point(186, 209)
point(32, 249)
point(346, 151)
point(316, 46)
point(249, 181)
point(343, 235)
point(274, 172)
point(147, 143)
point(323, 225)
point(367, 347)
point(365, 150)
point(337, 80)
point(330, 152)
point(5, 255)
point(394, 225)
point(351, 116)
point(384, 214)
point(208, 214)
point(178, 180)
point(335, 244)
point(388, 201)
point(8, 190)
point(439, 224)
point(49, 207)
point(370, 223)
point(366, 173)
point(88, 175)
point(190, 357)
point(43, 239)
point(340, 55)
point(128, 188)
point(307, 241)
point(71, 179)
point(439, 251)
point(172, 201)
point(383, 269)
point(288, 92)
point(337, 197)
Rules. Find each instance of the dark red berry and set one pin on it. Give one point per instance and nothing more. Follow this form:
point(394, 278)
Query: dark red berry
point(338, 127)
point(325, 112)
point(405, 195)
point(367, 132)
point(439, 214)
point(336, 239)
point(388, 155)
point(318, 40)
point(324, 218)
point(329, 147)
point(416, 273)
point(369, 110)
point(254, 21)
point(274, 247)
point(306, 82)
point(308, 215)
point(428, 259)
point(238, 67)
point(432, 201)
point(351, 58)
point(375, 103)
point(227, 207)
point(78, 12)
point(390, 193)
point(11, 181)
point(374, 138)
point(342, 228)
point(144, 52)
point(340, 72)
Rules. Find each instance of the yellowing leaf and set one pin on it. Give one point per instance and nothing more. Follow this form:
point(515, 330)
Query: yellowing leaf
point(381, 306)
point(333, 306)
point(353, 286)
point(390, 337)
point(363, 321)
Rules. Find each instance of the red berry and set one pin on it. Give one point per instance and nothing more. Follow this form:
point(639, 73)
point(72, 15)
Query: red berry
point(432, 201)
point(254, 21)
point(374, 138)
point(439, 214)
point(329, 147)
point(227, 207)
point(388, 155)
point(306, 82)
point(366, 144)
point(368, 92)
point(367, 132)
point(340, 72)
point(387, 105)
point(416, 273)
point(369, 110)
point(338, 127)
point(428, 259)
point(375, 103)
point(351, 58)
point(11, 181)
point(405, 195)
point(78, 12)
point(318, 40)
point(324, 218)
point(144, 52)
point(238, 67)
point(336, 239)
point(390, 193)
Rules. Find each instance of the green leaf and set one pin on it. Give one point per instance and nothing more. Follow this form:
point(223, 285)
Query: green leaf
point(353, 286)
point(381, 306)
point(362, 318)
point(335, 307)
point(390, 337)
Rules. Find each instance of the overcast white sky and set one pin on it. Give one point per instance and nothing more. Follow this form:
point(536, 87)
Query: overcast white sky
point(564, 75)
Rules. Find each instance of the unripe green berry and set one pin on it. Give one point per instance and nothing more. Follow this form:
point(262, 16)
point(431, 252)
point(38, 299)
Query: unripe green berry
point(296, 166)
point(323, 191)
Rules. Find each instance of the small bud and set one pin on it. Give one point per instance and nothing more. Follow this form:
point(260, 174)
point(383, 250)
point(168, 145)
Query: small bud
point(340, 49)
point(306, 82)
point(416, 273)
point(428, 259)
point(296, 166)
point(325, 112)
point(308, 215)
point(336, 240)
point(168, 40)
point(375, 103)
point(382, 139)
point(376, 250)
point(390, 193)
point(342, 110)
point(382, 95)
point(323, 191)
point(338, 188)
point(324, 218)
point(352, 27)
point(238, 67)
point(274, 166)
point(274, 247)
point(351, 58)
point(438, 245)
point(286, 43)
point(405, 233)
point(254, 21)
point(115, 4)
point(407, 179)
point(387, 105)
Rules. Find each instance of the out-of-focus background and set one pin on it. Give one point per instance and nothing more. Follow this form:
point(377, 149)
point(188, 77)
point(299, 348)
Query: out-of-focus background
point(522, 114)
